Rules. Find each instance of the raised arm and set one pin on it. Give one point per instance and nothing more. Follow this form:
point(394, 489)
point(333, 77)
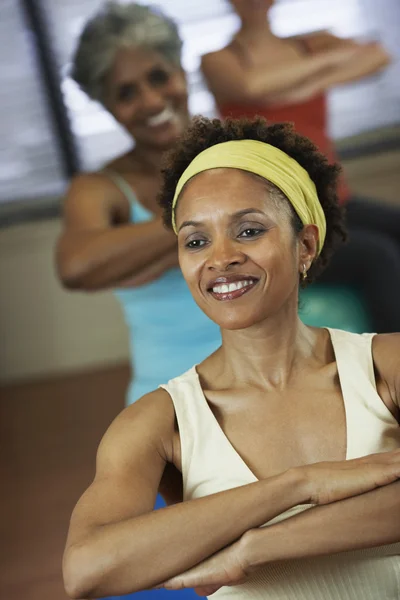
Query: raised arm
point(333, 62)
point(369, 59)
point(99, 248)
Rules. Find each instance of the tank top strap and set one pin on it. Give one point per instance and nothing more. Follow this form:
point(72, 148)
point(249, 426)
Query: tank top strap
point(210, 464)
point(139, 213)
point(121, 184)
point(184, 393)
point(353, 354)
point(371, 427)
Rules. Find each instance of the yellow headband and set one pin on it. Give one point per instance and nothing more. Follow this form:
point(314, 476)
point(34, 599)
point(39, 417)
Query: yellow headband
point(271, 164)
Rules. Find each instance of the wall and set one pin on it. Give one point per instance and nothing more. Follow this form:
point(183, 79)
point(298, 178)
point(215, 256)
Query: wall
point(46, 330)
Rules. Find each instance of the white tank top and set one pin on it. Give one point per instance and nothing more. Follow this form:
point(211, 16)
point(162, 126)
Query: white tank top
point(210, 464)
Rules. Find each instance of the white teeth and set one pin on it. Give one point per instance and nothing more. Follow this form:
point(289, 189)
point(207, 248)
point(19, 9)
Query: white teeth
point(163, 117)
point(231, 287)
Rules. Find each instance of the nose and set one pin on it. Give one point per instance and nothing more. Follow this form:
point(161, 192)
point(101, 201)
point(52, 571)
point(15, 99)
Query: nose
point(152, 99)
point(224, 255)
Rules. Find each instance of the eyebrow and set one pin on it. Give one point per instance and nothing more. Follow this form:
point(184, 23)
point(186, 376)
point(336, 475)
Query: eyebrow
point(235, 217)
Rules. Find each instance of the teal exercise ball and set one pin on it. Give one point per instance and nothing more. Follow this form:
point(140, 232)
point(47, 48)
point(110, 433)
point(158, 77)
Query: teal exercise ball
point(334, 306)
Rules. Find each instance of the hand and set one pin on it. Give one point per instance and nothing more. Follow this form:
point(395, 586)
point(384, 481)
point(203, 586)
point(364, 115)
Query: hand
point(152, 271)
point(226, 567)
point(378, 51)
point(333, 481)
point(345, 52)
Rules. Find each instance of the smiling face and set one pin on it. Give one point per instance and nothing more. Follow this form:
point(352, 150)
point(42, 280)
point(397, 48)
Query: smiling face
point(238, 250)
point(147, 95)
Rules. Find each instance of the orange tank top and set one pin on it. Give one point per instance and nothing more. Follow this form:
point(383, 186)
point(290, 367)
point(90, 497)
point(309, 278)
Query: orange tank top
point(310, 119)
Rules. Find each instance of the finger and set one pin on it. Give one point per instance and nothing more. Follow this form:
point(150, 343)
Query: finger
point(176, 583)
point(206, 590)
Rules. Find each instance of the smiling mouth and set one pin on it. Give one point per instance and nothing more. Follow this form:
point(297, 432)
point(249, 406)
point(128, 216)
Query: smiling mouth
point(231, 291)
point(166, 117)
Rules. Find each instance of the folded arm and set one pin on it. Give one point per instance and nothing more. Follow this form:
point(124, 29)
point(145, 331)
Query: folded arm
point(370, 59)
point(99, 248)
point(333, 61)
point(117, 544)
point(355, 523)
point(364, 521)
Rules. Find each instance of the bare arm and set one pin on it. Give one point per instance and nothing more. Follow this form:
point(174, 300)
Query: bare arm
point(365, 521)
point(371, 59)
point(94, 253)
point(342, 526)
point(152, 271)
point(386, 353)
point(338, 61)
point(117, 545)
point(230, 81)
point(355, 523)
point(336, 527)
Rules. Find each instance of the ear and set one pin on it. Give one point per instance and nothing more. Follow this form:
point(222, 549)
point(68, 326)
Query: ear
point(308, 246)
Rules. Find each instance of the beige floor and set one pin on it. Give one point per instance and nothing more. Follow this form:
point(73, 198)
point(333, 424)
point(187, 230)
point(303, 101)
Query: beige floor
point(49, 432)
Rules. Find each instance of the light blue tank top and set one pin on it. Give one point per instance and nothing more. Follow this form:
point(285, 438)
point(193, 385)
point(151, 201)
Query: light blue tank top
point(168, 331)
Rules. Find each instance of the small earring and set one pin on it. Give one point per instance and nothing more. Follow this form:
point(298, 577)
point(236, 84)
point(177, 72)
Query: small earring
point(304, 273)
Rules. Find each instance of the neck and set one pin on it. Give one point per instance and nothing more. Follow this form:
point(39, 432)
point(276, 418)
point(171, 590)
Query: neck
point(251, 28)
point(269, 354)
point(149, 159)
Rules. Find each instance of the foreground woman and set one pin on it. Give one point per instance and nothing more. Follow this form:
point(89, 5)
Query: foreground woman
point(284, 425)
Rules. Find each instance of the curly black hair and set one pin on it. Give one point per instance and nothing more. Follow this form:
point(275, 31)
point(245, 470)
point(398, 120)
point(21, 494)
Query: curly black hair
point(204, 133)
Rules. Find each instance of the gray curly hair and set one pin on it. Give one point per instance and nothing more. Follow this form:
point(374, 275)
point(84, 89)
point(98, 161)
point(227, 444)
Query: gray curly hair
point(113, 27)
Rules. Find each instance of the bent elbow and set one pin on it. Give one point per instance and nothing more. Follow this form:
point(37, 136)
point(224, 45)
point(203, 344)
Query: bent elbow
point(75, 582)
point(78, 574)
point(71, 273)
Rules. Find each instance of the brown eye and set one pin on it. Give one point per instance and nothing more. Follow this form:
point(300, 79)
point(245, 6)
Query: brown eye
point(158, 77)
point(250, 232)
point(126, 92)
point(195, 244)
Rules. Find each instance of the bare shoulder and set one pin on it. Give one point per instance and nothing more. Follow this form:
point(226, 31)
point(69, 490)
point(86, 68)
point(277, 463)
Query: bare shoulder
point(213, 60)
point(386, 355)
point(225, 75)
point(144, 429)
point(131, 460)
point(152, 417)
point(92, 183)
point(93, 200)
point(140, 440)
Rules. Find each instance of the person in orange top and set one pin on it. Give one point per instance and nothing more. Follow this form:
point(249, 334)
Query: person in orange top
point(258, 73)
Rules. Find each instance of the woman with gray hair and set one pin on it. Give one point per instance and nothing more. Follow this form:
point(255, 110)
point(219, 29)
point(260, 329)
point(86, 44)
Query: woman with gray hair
point(128, 58)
